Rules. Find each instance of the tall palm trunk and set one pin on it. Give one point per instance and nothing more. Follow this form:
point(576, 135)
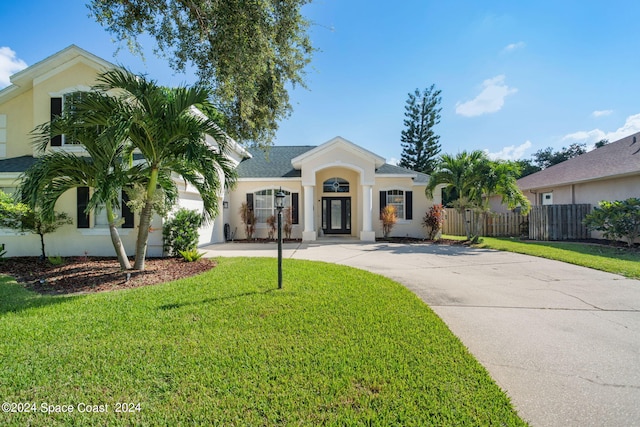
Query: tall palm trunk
point(115, 239)
point(145, 221)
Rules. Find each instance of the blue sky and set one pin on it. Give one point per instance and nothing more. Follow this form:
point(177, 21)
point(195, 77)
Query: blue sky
point(515, 76)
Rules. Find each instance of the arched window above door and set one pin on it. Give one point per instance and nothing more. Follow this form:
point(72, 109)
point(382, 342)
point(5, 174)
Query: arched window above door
point(335, 185)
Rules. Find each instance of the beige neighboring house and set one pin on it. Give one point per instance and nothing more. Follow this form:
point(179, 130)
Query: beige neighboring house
point(336, 188)
point(611, 172)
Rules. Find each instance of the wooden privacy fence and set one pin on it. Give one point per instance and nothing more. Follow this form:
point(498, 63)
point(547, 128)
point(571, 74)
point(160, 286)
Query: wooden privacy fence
point(552, 222)
point(494, 224)
point(558, 222)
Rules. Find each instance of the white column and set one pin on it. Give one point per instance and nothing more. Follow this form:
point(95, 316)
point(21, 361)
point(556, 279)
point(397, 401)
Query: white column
point(218, 223)
point(367, 234)
point(309, 232)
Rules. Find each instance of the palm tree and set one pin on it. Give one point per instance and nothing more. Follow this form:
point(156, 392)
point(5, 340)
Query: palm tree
point(165, 126)
point(103, 169)
point(458, 174)
point(475, 179)
point(500, 179)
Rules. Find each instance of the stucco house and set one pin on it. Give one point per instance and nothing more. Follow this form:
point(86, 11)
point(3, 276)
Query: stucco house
point(335, 188)
point(611, 172)
point(34, 96)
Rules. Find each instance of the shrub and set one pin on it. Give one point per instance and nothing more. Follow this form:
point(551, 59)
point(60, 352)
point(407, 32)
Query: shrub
point(288, 223)
point(272, 222)
point(619, 220)
point(191, 255)
point(433, 220)
point(180, 233)
point(56, 260)
point(248, 218)
point(389, 219)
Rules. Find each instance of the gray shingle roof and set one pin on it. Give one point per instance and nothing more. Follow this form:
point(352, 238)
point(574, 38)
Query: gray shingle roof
point(275, 162)
point(388, 169)
point(16, 164)
point(619, 158)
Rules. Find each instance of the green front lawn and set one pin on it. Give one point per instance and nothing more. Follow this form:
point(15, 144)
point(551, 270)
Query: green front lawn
point(336, 346)
point(618, 260)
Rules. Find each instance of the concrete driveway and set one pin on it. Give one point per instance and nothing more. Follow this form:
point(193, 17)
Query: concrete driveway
point(563, 341)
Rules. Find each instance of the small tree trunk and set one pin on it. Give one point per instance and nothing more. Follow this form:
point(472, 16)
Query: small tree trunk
point(115, 239)
point(42, 245)
point(467, 223)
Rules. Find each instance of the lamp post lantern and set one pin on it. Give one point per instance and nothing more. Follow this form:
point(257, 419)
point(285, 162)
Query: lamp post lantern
point(280, 196)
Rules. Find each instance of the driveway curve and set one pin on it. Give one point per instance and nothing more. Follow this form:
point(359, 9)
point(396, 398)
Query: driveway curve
point(563, 341)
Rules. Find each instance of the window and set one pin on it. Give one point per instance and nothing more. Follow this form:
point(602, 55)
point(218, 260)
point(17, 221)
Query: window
point(100, 220)
point(402, 200)
point(396, 198)
point(547, 198)
point(60, 106)
point(335, 185)
point(263, 204)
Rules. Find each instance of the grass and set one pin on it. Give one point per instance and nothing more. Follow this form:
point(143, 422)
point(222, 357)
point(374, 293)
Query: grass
point(618, 260)
point(336, 346)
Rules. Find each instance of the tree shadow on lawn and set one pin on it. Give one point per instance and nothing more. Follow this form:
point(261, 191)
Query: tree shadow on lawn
point(212, 300)
point(430, 248)
point(14, 297)
point(605, 249)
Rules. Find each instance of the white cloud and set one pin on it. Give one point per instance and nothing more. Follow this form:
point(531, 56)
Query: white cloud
point(601, 113)
point(393, 161)
point(490, 100)
point(511, 152)
point(9, 65)
point(513, 46)
point(631, 126)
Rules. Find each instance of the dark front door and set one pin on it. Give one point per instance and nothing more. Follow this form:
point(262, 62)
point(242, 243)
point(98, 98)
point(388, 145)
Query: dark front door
point(336, 215)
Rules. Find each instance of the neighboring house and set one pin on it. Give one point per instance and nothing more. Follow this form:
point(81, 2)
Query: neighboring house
point(335, 188)
point(611, 172)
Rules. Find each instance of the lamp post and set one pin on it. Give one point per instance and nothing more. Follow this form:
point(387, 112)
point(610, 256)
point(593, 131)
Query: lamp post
point(280, 196)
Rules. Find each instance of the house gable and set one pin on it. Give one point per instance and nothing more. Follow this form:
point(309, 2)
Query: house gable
point(57, 63)
point(28, 101)
point(338, 152)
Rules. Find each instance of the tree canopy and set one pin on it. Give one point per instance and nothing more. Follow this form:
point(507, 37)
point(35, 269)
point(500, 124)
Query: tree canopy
point(420, 144)
point(249, 52)
point(162, 124)
point(547, 157)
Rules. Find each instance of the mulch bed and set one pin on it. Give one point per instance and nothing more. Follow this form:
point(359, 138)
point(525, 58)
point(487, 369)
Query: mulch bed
point(95, 274)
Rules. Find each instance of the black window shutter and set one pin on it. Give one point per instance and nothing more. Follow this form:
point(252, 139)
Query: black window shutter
point(127, 213)
point(56, 110)
point(250, 201)
point(408, 202)
point(82, 202)
point(383, 201)
point(294, 208)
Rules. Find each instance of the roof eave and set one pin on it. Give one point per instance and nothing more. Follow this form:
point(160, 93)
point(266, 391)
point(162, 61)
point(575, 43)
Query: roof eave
point(581, 181)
